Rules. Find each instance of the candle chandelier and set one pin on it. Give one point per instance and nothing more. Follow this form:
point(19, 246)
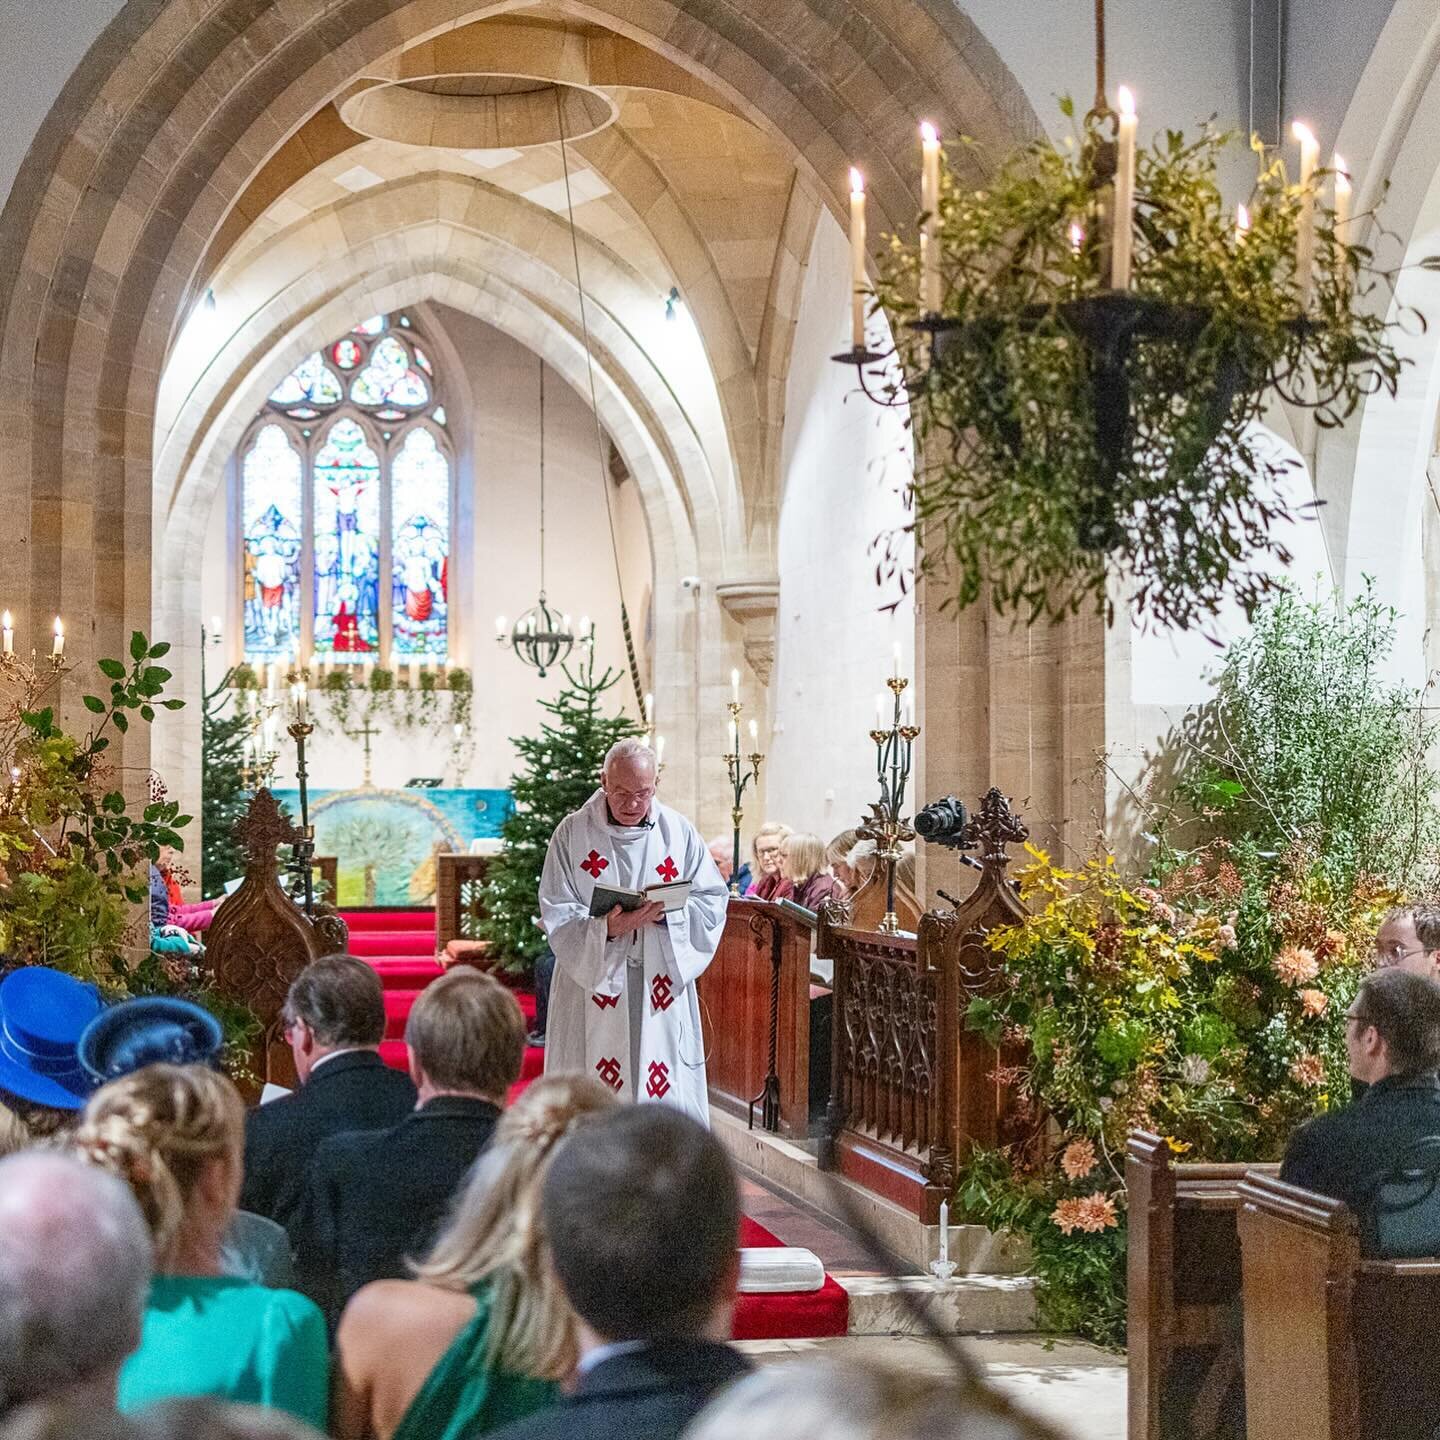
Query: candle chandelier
point(1086, 346)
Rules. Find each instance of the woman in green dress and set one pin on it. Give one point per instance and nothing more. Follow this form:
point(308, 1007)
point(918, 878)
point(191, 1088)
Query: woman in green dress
point(175, 1135)
point(484, 1333)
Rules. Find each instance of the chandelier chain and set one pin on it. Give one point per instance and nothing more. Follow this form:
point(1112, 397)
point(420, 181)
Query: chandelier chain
point(542, 477)
point(1101, 104)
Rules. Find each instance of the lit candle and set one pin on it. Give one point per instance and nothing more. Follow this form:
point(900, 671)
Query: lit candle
point(944, 1231)
point(735, 686)
point(1342, 215)
point(7, 633)
point(930, 230)
point(879, 712)
point(1077, 237)
point(500, 625)
point(272, 678)
point(565, 626)
point(895, 671)
point(299, 692)
point(754, 732)
point(1242, 223)
point(659, 750)
point(414, 672)
point(585, 627)
point(857, 259)
point(649, 712)
point(215, 627)
point(367, 671)
point(58, 648)
point(1122, 247)
point(1305, 228)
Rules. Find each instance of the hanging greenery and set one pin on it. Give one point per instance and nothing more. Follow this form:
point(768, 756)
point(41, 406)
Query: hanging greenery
point(1069, 433)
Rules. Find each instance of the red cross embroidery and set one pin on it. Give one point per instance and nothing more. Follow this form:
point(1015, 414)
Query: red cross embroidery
point(605, 1002)
point(667, 871)
point(594, 863)
point(660, 996)
point(658, 1084)
point(609, 1071)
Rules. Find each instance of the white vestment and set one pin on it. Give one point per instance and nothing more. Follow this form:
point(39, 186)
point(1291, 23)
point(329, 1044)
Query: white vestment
point(626, 1010)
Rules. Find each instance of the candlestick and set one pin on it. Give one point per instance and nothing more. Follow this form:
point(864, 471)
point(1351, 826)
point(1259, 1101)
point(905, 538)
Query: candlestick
point(1342, 217)
point(857, 259)
point(944, 1267)
point(7, 634)
point(1122, 247)
point(57, 650)
point(886, 826)
point(930, 226)
point(1305, 226)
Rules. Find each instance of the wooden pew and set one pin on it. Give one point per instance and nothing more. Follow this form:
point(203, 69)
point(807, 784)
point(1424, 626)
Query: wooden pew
point(1336, 1347)
point(1183, 1282)
point(459, 896)
point(755, 1014)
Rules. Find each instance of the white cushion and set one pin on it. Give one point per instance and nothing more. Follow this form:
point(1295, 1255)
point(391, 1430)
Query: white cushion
point(776, 1268)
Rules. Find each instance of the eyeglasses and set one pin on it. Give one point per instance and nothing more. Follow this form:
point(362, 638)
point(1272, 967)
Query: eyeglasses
point(1395, 955)
point(638, 796)
point(766, 852)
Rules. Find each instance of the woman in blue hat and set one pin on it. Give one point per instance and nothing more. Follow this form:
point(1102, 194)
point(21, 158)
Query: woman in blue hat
point(43, 1014)
point(175, 1135)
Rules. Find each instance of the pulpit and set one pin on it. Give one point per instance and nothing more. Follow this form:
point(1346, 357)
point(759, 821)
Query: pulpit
point(261, 940)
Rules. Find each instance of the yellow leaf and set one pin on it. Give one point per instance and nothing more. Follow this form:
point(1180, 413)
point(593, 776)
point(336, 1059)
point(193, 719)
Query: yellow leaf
point(1178, 1146)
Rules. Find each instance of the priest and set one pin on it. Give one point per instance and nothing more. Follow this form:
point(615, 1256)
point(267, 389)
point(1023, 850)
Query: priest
point(623, 1004)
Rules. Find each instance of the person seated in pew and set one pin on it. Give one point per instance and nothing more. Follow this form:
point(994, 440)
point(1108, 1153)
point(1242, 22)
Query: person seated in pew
point(722, 852)
point(1392, 1038)
point(837, 857)
point(803, 864)
point(1409, 939)
point(769, 883)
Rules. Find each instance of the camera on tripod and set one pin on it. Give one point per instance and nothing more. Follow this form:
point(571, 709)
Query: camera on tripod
point(945, 822)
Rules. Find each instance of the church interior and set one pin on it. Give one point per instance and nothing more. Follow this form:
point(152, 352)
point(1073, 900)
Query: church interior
point(1008, 522)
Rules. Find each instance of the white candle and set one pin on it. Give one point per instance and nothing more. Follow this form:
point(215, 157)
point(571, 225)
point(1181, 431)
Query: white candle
point(944, 1231)
point(754, 733)
point(880, 712)
point(1122, 247)
point(58, 648)
point(1242, 223)
point(299, 693)
point(1305, 228)
point(649, 712)
point(1342, 216)
point(7, 633)
point(930, 229)
point(659, 750)
point(215, 628)
point(272, 678)
point(857, 259)
point(1077, 237)
point(895, 671)
point(414, 672)
point(500, 626)
point(735, 686)
point(585, 627)
point(367, 671)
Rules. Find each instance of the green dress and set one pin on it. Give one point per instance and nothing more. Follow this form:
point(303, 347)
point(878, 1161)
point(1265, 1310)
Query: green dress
point(232, 1340)
point(461, 1397)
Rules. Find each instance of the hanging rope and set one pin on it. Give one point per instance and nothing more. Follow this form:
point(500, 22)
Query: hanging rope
point(1102, 105)
point(542, 479)
point(595, 414)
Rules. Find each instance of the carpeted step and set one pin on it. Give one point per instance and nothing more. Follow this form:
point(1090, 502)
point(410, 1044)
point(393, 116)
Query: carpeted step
point(399, 1003)
point(396, 1054)
point(788, 1315)
point(366, 922)
point(405, 972)
point(391, 944)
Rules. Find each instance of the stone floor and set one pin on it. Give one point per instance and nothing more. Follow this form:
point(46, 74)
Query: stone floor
point(1079, 1389)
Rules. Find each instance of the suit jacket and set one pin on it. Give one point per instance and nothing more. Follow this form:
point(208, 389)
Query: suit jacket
point(354, 1091)
point(1343, 1153)
point(654, 1393)
point(376, 1198)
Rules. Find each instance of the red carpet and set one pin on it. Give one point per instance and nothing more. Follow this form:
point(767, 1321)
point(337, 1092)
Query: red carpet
point(400, 944)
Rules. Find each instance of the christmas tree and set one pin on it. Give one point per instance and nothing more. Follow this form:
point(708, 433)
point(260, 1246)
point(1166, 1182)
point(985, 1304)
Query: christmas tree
point(562, 769)
point(224, 796)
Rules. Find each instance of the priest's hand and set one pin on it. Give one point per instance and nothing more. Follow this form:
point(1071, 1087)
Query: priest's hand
point(621, 922)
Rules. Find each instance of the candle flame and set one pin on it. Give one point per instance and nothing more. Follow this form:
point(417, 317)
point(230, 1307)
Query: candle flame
point(1077, 236)
point(928, 133)
point(1242, 219)
point(1303, 133)
point(6, 621)
point(1127, 101)
point(857, 184)
point(59, 627)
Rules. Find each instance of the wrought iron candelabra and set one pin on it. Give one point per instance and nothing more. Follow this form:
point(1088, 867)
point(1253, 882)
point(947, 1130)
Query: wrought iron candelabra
point(302, 851)
point(886, 826)
point(739, 780)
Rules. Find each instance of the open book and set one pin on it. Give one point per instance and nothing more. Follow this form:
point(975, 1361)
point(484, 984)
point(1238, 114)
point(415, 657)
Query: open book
point(604, 898)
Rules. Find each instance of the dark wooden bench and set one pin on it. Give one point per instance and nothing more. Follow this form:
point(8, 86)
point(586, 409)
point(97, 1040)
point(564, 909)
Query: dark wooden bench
point(1337, 1347)
point(1183, 1281)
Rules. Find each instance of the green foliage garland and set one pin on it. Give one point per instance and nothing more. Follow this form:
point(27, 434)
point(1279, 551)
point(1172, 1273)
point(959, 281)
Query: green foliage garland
point(562, 771)
point(1012, 498)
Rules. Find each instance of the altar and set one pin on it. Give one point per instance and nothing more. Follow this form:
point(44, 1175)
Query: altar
point(386, 841)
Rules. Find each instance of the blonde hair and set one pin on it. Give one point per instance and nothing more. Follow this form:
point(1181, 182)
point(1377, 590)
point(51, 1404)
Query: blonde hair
point(14, 1133)
point(157, 1130)
point(769, 828)
point(837, 852)
point(466, 1033)
point(803, 855)
point(495, 1232)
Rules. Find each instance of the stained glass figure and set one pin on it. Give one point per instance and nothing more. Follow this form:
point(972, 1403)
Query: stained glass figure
point(347, 545)
point(389, 378)
point(347, 353)
point(423, 361)
point(420, 546)
point(311, 382)
point(375, 325)
point(272, 524)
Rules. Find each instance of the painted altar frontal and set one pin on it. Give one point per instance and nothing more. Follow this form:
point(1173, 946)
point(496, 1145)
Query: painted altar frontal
point(385, 841)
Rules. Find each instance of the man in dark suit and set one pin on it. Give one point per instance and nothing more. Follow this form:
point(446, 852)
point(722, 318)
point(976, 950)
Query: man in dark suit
point(334, 1021)
point(376, 1198)
point(643, 1216)
point(1392, 1036)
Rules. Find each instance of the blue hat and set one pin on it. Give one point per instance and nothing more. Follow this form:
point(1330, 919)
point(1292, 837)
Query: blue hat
point(43, 1014)
point(154, 1030)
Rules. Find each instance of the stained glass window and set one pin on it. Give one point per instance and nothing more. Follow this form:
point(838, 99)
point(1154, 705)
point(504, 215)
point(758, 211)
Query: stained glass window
point(329, 492)
point(273, 527)
point(420, 546)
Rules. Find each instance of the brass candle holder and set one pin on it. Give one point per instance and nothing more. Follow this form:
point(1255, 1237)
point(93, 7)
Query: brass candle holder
point(739, 780)
point(886, 826)
point(302, 852)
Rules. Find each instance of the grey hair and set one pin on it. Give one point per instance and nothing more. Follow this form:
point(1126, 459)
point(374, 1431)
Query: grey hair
point(630, 749)
point(75, 1265)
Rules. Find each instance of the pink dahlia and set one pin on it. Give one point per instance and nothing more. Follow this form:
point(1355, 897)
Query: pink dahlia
point(1295, 965)
point(1078, 1159)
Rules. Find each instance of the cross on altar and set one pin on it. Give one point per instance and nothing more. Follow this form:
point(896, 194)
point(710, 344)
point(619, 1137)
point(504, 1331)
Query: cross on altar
point(363, 734)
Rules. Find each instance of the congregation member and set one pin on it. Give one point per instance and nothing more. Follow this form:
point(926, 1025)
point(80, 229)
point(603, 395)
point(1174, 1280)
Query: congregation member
point(1392, 1039)
point(1409, 939)
point(175, 1134)
point(834, 1399)
point(172, 1420)
point(766, 846)
point(623, 1002)
point(334, 1018)
point(483, 1333)
point(642, 1212)
point(837, 859)
point(43, 1084)
point(544, 974)
point(803, 864)
point(75, 1264)
point(375, 1198)
point(722, 852)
